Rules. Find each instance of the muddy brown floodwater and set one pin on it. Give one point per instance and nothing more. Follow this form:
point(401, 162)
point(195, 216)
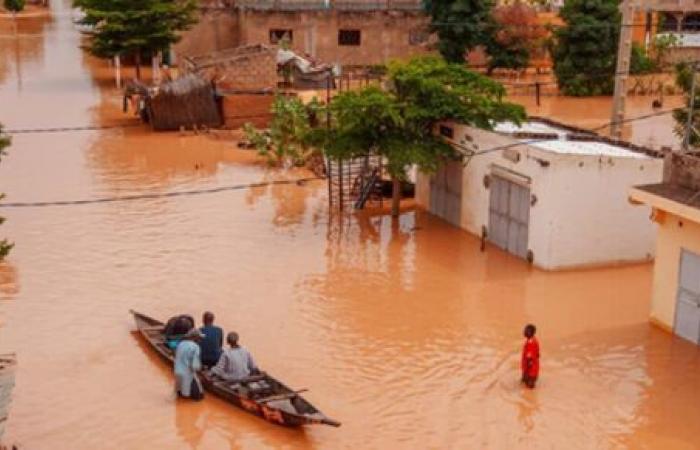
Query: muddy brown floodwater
point(403, 331)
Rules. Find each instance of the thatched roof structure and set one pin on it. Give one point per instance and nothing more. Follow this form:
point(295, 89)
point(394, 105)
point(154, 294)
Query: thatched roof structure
point(186, 102)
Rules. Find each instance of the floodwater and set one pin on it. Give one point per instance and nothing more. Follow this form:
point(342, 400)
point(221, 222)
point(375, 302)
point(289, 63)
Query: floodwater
point(404, 331)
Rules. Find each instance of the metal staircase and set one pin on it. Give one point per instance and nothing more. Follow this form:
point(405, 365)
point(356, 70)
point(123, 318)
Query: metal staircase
point(354, 182)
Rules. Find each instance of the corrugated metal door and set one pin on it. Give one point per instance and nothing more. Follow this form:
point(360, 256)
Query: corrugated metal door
point(509, 215)
point(688, 303)
point(446, 192)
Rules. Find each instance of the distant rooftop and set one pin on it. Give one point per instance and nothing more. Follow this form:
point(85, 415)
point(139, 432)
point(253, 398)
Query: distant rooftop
point(340, 5)
point(565, 140)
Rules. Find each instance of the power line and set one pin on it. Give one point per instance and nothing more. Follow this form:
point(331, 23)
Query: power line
point(125, 198)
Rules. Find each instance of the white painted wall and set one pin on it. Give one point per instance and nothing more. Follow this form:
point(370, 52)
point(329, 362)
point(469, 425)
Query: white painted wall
point(581, 217)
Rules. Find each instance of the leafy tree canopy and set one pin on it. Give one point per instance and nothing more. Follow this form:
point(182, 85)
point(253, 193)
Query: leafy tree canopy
point(461, 25)
point(286, 143)
point(399, 122)
point(516, 36)
point(585, 50)
point(14, 5)
point(130, 26)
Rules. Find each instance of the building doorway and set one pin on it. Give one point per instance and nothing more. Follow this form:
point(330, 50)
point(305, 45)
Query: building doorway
point(687, 324)
point(509, 215)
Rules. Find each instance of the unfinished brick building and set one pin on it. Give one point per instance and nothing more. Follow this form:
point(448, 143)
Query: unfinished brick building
point(349, 33)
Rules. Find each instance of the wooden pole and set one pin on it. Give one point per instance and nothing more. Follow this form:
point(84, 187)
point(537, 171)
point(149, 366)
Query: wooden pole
point(118, 71)
point(622, 70)
point(689, 123)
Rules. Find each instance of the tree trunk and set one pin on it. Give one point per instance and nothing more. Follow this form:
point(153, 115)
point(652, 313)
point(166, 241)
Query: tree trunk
point(138, 63)
point(395, 196)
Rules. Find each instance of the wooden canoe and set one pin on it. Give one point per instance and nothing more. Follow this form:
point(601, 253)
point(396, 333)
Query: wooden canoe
point(261, 395)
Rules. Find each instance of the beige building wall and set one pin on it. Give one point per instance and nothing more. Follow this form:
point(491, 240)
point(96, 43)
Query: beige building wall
point(581, 215)
point(675, 234)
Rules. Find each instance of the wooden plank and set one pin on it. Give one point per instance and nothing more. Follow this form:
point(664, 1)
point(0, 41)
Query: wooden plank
point(280, 396)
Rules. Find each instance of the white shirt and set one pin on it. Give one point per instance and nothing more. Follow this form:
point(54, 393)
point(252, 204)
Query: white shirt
point(235, 363)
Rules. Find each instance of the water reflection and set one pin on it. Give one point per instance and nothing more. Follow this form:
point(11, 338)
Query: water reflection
point(21, 45)
point(9, 281)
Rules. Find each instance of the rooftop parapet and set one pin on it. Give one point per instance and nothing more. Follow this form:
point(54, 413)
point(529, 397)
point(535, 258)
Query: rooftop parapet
point(339, 5)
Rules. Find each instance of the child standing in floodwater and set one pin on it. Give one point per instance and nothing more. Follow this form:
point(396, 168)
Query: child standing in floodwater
point(530, 363)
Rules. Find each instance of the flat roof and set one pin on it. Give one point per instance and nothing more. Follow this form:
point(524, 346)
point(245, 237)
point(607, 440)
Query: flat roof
point(563, 145)
point(675, 199)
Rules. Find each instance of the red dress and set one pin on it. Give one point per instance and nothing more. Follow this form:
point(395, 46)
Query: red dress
point(531, 351)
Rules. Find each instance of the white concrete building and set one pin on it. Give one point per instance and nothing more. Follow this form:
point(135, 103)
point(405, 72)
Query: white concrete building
point(551, 194)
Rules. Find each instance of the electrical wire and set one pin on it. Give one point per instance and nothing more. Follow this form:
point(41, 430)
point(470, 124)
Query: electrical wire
point(125, 198)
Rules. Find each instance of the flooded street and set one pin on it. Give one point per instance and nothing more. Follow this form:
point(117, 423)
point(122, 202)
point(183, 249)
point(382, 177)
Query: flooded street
point(403, 331)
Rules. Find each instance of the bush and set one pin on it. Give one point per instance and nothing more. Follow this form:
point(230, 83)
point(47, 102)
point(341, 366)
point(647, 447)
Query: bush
point(286, 143)
point(14, 5)
point(640, 62)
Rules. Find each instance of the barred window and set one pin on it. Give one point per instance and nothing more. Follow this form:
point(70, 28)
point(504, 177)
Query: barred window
point(349, 37)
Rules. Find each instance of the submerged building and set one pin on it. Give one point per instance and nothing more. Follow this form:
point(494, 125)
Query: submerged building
point(675, 204)
point(343, 32)
point(548, 193)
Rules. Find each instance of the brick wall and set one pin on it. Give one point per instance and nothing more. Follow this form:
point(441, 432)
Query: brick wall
point(385, 35)
point(253, 72)
point(682, 170)
point(245, 108)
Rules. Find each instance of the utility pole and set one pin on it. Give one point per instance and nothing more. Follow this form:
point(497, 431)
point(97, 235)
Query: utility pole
point(689, 129)
point(624, 50)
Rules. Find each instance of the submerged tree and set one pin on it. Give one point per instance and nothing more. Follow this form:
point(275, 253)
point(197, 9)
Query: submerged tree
point(585, 49)
point(5, 246)
point(399, 123)
point(460, 25)
point(286, 142)
point(131, 27)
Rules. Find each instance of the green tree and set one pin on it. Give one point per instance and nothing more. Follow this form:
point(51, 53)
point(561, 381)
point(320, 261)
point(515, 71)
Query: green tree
point(286, 142)
point(399, 122)
point(14, 6)
point(130, 27)
point(460, 25)
point(684, 77)
point(585, 49)
point(5, 246)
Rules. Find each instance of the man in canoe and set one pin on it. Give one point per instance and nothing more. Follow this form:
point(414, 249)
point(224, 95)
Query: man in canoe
point(187, 363)
point(212, 342)
point(530, 362)
point(236, 362)
point(176, 328)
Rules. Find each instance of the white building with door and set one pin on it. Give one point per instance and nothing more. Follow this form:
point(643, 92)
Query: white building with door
point(675, 207)
point(548, 193)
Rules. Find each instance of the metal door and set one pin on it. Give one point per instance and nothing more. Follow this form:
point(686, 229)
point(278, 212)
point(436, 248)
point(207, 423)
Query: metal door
point(446, 192)
point(687, 323)
point(509, 215)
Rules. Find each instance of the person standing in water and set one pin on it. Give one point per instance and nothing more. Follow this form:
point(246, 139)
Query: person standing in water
point(530, 363)
point(212, 342)
point(187, 364)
